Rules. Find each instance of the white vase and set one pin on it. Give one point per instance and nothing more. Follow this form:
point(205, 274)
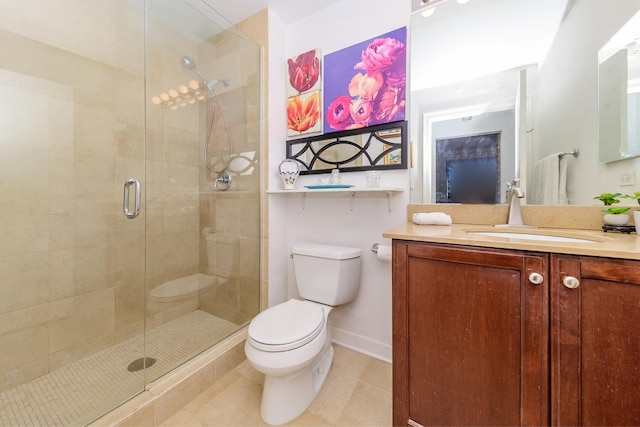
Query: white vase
point(289, 170)
point(616, 219)
point(636, 220)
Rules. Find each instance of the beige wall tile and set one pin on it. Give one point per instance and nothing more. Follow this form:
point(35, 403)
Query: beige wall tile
point(93, 129)
point(181, 215)
point(25, 332)
point(249, 258)
point(61, 123)
point(129, 304)
point(23, 226)
point(129, 263)
point(24, 170)
point(94, 175)
point(24, 280)
point(81, 270)
point(61, 173)
point(80, 318)
point(24, 115)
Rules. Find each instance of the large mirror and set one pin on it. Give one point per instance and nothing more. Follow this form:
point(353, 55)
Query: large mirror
point(619, 94)
point(525, 70)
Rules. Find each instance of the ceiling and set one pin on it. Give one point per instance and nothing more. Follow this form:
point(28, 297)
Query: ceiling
point(481, 37)
point(289, 11)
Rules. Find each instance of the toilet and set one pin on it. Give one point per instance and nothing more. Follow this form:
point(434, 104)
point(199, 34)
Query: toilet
point(291, 342)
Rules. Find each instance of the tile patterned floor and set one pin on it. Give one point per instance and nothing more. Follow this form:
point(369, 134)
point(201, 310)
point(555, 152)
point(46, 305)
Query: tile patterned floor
point(357, 392)
point(84, 389)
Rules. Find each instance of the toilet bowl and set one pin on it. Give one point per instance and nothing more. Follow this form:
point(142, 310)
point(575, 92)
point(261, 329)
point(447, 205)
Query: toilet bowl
point(291, 342)
point(295, 362)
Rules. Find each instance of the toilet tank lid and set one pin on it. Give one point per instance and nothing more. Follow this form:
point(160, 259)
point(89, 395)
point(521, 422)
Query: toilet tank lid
point(326, 251)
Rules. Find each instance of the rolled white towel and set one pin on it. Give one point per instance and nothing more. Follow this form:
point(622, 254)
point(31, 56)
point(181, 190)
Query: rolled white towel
point(432, 218)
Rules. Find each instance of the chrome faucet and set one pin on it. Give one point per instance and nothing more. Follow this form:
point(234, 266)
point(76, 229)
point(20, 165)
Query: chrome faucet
point(514, 194)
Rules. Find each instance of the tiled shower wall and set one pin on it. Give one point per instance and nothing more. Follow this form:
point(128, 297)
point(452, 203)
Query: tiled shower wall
point(230, 221)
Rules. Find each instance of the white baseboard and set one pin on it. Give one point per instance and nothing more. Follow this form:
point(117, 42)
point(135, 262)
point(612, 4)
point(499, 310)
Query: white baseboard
point(362, 344)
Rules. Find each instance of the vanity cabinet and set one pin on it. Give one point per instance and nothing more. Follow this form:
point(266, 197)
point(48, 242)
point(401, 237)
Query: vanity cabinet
point(495, 337)
point(595, 341)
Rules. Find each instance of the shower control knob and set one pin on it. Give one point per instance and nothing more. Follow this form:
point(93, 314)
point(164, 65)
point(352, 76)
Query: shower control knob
point(570, 282)
point(536, 278)
point(223, 181)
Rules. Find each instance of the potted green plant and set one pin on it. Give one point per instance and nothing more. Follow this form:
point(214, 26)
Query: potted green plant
point(636, 213)
point(613, 215)
point(609, 198)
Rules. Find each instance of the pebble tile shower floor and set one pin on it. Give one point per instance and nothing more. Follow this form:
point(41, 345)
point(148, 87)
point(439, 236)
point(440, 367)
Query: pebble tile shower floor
point(67, 395)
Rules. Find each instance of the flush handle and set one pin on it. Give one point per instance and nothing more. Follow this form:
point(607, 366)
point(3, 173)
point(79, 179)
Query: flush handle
point(536, 278)
point(570, 282)
point(125, 204)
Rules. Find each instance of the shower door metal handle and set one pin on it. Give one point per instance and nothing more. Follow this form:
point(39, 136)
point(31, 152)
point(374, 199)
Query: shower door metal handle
point(125, 206)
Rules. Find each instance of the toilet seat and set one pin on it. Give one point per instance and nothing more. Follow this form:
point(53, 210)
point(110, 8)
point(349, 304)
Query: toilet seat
point(286, 326)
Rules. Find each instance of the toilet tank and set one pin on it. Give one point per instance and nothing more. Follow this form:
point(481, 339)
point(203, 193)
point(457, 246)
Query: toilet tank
point(327, 274)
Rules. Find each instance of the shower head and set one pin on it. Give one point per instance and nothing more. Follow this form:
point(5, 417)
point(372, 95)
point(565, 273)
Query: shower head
point(188, 63)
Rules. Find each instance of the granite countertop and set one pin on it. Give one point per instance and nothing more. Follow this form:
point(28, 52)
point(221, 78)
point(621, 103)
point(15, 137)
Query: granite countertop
point(610, 244)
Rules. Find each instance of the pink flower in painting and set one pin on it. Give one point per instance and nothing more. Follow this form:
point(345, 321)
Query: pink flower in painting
point(376, 95)
point(388, 103)
point(381, 55)
point(338, 113)
point(366, 86)
point(396, 77)
point(304, 71)
point(361, 110)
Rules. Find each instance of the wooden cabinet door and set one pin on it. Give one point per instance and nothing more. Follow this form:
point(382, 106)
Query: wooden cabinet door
point(470, 336)
point(595, 350)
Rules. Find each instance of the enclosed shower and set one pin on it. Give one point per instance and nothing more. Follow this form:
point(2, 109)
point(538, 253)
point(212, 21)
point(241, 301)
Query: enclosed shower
point(129, 198)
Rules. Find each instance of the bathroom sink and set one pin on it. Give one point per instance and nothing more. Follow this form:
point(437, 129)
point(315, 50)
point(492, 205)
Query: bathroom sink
point(531, 236)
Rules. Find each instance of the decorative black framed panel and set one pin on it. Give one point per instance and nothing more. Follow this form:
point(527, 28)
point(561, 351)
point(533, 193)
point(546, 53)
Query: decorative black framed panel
point(376, 147)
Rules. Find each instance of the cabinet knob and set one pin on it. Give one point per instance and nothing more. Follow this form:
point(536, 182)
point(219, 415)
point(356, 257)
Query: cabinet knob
point(536, 278)
point(570, 282)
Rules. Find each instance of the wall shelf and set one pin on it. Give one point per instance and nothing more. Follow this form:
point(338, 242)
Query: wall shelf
point(352, 192)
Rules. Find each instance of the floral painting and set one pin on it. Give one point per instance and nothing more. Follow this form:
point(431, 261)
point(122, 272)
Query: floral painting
point(304, 102)
point(365, 84)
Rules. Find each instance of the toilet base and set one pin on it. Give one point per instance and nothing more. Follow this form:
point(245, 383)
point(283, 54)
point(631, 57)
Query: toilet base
point(286, 397)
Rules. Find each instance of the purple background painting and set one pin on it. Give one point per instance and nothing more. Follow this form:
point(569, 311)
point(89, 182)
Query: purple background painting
point(365, 84)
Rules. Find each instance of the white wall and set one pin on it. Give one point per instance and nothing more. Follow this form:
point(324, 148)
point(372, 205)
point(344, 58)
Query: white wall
point(568, 82)
point(366, 323)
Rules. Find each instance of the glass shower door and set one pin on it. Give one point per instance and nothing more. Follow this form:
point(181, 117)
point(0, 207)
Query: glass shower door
point(71, 264)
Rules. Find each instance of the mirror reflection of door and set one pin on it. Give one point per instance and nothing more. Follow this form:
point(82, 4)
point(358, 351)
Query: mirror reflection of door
point(468, 169)
point(471, 155)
